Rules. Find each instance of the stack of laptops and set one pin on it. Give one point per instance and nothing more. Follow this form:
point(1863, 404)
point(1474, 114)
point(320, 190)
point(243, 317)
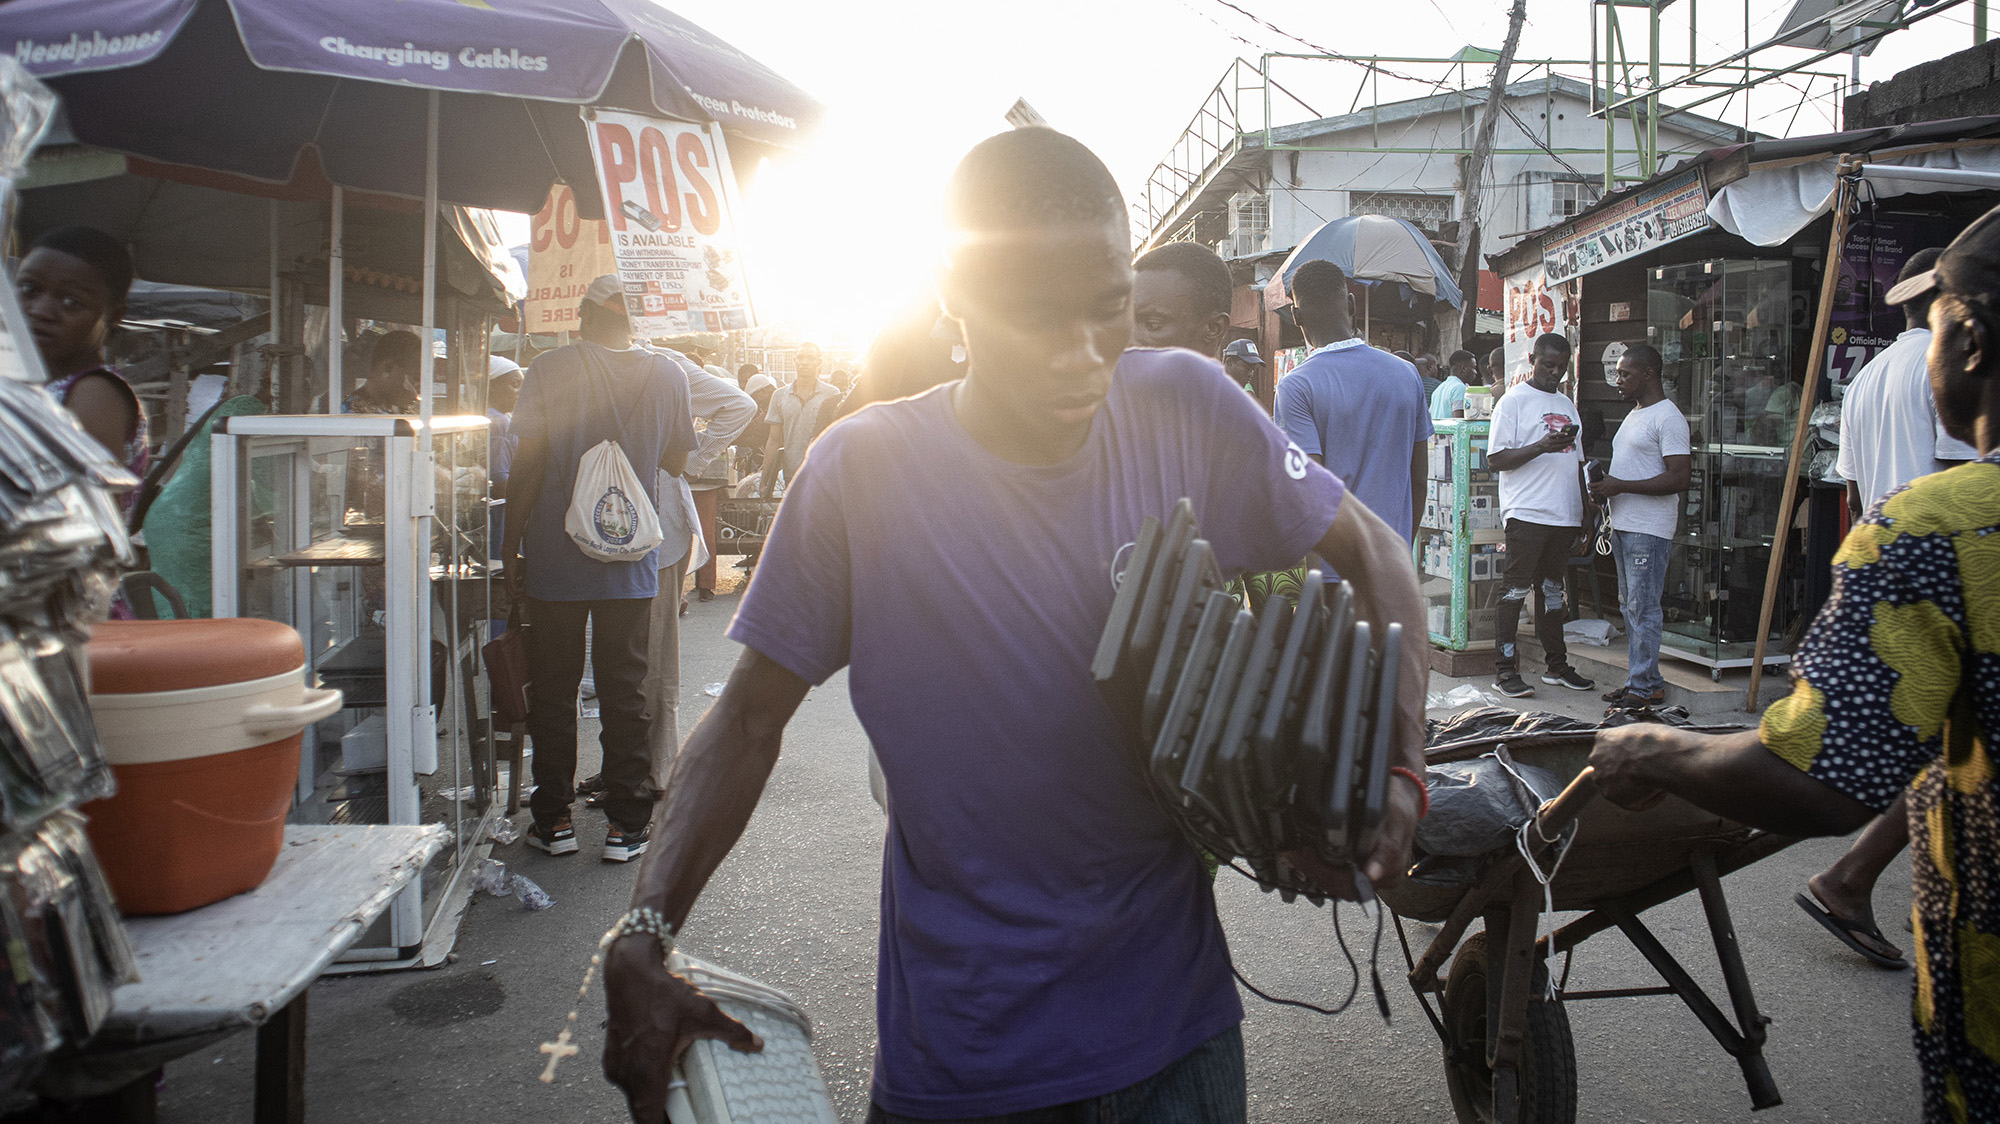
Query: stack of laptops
point(1260, 734)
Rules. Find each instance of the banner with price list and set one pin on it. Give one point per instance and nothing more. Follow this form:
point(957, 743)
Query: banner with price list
point(669, 201)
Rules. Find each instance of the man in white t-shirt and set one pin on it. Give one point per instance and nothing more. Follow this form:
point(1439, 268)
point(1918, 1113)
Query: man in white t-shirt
point(1889, 428)
point(1650, 457)
point(1532, 446)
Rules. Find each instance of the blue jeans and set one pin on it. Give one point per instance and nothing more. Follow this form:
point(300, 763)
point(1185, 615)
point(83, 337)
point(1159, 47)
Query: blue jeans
point(1642, 576)
point(1206, 1086)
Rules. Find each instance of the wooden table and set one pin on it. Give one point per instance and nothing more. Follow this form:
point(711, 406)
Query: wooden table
point(246, 962)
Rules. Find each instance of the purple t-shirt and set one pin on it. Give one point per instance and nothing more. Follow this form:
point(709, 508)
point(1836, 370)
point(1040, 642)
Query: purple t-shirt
point(1046, 934)
point(1362, 411)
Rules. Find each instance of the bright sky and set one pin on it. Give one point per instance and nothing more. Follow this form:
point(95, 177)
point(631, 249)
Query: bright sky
point(842, 233)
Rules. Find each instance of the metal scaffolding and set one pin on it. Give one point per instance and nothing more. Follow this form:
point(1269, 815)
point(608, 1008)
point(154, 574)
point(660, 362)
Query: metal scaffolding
point(1249, 108)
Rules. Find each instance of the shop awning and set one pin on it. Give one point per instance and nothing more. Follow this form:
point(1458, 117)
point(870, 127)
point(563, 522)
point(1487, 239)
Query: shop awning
point(1773, 202)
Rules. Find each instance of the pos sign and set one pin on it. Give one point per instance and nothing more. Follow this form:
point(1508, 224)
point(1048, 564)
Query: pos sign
point(668, 191)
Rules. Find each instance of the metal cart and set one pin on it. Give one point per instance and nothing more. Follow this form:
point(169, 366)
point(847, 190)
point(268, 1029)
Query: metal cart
point(1508, 1053)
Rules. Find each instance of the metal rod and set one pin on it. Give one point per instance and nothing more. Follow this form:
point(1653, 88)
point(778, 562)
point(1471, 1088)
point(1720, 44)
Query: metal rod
point(1969, 177)
point(1843, 193)
point(1756, 1074)
point(427, 358)
point(1683, 985)
point(1614, 993)
point(336, 302)
point(277, 333)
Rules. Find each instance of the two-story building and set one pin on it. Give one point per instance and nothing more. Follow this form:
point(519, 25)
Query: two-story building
point(1262, 192)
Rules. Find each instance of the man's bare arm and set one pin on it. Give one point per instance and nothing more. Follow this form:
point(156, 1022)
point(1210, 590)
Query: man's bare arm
point(1732, 775)
point(1672, 482)
point(715, 784)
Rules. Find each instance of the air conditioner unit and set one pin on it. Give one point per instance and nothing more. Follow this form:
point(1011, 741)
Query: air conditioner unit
point(1249, 225)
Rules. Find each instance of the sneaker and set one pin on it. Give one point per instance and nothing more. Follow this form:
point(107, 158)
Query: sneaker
point(1513, 686)
point(1569, 677)
point(558, 838)
point(1625, 698)
point(622, 846)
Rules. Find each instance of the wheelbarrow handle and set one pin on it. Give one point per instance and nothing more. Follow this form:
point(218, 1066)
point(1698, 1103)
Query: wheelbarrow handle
point(1556, 815)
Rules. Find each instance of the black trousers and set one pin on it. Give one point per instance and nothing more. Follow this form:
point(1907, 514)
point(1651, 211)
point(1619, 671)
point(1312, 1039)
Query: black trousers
point(1536, 557)
point(555, 670)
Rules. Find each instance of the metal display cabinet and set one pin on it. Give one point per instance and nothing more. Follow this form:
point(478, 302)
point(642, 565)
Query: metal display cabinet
point(1457, 546)
point(368, 534)
point(1728, 334)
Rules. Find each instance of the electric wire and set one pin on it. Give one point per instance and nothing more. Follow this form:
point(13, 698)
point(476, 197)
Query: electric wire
point(1353, 968)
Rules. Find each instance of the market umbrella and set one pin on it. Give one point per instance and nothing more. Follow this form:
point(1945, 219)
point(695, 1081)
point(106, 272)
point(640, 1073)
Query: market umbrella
point(454, 100)
point(1374, 248)
point(245, 86)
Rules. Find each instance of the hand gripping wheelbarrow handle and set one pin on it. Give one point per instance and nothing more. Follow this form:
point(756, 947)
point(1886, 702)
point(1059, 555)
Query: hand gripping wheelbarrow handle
point(1556, 815)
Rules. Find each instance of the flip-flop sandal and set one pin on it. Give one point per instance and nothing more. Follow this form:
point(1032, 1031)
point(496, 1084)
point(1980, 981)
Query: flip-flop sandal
point(1849, 933)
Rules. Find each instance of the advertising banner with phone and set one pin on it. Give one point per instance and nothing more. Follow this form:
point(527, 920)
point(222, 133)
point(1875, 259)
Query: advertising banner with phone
point(565, 253)
point(669, 198)
point(1536, 305)
point(1862, 323)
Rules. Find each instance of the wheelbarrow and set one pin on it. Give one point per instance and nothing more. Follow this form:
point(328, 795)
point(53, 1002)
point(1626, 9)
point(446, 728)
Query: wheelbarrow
point(1508, 1054)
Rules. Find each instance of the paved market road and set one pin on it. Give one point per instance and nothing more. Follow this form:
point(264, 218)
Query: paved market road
point(795, 905)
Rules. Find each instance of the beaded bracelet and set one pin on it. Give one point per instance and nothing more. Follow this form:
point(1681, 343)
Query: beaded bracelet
point(641, 921)
point(1423, 790)
point(644, 921)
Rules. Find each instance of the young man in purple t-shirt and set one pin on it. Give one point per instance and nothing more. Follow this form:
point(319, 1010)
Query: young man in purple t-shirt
point(1048, 938)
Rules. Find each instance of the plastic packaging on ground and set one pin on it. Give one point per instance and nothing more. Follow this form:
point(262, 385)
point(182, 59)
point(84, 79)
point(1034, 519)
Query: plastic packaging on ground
point(492, 877)
point(1464, 694)
point(503, 832)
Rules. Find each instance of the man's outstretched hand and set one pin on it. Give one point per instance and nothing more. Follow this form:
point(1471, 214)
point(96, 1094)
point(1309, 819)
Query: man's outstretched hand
point(655, 1017)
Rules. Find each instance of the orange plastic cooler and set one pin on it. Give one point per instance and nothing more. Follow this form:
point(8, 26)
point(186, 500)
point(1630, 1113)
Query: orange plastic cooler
point(200, 721)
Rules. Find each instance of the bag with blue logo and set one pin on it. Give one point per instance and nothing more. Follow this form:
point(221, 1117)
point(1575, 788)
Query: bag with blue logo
point(610, 518)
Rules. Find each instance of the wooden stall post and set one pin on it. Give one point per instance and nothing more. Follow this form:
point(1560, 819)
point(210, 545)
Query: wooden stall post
point(1843, 196)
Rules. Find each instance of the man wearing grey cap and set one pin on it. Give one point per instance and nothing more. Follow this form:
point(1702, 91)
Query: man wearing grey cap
point(1895, 694)
point(1241, 360)
point(575, 398)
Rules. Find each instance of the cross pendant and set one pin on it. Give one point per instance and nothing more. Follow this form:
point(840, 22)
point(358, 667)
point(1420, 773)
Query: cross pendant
point(557, 1051)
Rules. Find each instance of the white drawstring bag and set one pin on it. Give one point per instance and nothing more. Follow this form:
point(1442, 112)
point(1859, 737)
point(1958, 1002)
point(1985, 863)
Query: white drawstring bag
point(610, 518)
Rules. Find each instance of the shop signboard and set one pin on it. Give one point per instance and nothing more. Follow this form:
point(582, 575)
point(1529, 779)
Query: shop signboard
point(1644, 221)
point(1861, 324)
point(669, 203)
point(1535, 306)
point(565, 253)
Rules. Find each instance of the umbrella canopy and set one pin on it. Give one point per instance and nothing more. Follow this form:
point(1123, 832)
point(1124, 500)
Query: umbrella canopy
point(1374, 248)
point(246, 86)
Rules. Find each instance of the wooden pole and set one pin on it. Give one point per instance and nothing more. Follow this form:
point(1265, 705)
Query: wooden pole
point(1475, 175)
point(1843, 194)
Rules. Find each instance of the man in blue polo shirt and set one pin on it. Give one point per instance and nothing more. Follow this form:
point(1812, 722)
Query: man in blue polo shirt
point(1356, 409)
point(1048, 938)
point(576, 397)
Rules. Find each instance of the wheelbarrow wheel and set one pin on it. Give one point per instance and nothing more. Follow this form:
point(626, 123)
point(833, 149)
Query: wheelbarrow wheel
point(1548, 1064)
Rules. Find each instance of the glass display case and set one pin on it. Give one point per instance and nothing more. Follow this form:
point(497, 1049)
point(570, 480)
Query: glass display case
point(369, 535)
point(1731, 345)
point(1457, 546)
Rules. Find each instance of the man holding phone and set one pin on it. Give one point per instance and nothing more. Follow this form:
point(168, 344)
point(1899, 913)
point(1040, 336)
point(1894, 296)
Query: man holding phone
point(1532, 447)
